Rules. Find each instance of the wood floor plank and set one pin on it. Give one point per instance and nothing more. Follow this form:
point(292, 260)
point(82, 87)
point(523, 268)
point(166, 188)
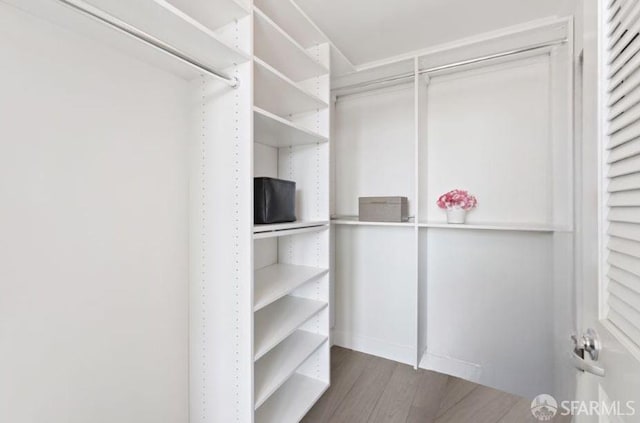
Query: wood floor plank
point(343, 376)
point(338, 356)
point(428, 397)
point(519, 413)
point(481, 405)
point(561, 419)
point(396, 400)
point(457, 389)
point(365, 393)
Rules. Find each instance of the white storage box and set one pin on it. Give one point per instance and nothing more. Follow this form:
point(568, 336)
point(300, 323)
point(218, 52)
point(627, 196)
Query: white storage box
point(383, 209)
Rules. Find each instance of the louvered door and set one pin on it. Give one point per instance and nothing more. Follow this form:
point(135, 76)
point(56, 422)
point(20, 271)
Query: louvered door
point(608, 230)
point(622, 167)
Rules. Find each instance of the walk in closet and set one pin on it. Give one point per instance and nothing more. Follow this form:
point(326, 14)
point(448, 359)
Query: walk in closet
point(131, 134)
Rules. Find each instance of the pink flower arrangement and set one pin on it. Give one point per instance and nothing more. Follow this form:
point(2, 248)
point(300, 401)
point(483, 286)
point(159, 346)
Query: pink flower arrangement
point(457, 199)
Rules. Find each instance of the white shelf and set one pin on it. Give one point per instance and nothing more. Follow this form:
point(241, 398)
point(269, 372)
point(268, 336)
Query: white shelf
point(277, 132)
point(293, 21)
point(213, 14)
point(280, 319)
point(280, 95)
point(176, 28)
point(287, 229)
point(276, 47)
point(169, 25)
point(520, 227)
point(354, 221)
point(279, 364)
point(292, 401)
point(274, 282)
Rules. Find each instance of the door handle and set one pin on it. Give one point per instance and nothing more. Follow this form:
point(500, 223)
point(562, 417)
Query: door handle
point(588, 343)
point(584, 366)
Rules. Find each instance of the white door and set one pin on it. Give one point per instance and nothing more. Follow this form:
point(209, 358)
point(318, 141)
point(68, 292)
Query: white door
point(608, 224)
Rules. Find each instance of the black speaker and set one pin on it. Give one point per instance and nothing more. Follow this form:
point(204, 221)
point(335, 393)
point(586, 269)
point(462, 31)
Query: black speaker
point(274, 200)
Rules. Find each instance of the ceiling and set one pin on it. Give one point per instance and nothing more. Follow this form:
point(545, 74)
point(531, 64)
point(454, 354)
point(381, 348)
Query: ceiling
point(370, 30)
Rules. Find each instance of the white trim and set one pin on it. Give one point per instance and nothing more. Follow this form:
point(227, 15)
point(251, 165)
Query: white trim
point(451, 366)
point(416, 196)
point(602, 166)
point(466, 42)
point(374, 346)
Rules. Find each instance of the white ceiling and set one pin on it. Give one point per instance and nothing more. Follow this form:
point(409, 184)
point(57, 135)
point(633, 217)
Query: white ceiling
point(370, 30)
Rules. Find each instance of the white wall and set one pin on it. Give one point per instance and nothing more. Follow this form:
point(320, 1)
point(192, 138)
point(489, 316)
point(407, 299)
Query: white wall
point(490, 307)
point(374, 147)
point(488, 132)
point(94, 224)
point(375, 291)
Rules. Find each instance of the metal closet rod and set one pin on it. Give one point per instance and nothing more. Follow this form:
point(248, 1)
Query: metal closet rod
point(448, 66)
point(147, 39)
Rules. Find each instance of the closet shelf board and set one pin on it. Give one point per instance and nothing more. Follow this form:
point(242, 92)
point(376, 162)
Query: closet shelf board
point(279, 364)
point(279, 320)
point(274, 282)
point(169, 26)
point(274, 131)
point(518, 227)
point(279, 95)
point(287, 229)
point(277, 48)
point(213, 14)
point(292, 401)
point(288, 15)
point(174, 27)
point(354, 221)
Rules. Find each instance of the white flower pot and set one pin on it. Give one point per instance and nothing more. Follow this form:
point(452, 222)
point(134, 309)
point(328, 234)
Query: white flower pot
point(456, 216)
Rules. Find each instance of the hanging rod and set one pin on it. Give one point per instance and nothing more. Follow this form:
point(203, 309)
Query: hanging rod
point(408, 75)
point(153, 42)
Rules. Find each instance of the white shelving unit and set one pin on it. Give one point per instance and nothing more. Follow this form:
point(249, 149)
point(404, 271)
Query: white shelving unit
point(291, 278)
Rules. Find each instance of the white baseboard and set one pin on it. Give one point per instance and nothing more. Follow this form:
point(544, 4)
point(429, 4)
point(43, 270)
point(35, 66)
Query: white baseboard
point(451, 366)
point(378, 347)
